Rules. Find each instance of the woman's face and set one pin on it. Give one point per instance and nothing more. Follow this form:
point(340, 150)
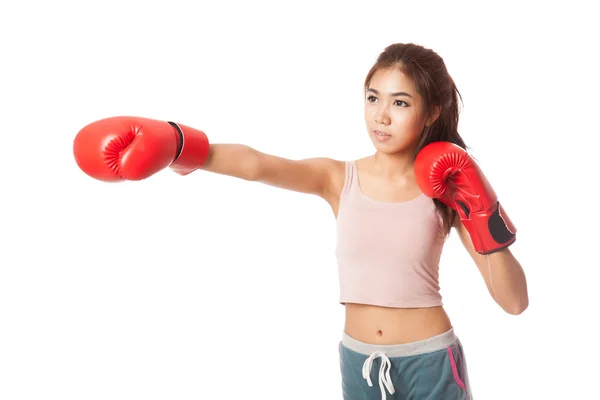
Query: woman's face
point(394, 111)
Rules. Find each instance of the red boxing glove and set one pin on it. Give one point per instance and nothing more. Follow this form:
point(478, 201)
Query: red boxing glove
point(445, 171)
point(132, 148)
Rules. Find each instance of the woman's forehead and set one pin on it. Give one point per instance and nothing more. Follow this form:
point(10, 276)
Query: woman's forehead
point(390, 81)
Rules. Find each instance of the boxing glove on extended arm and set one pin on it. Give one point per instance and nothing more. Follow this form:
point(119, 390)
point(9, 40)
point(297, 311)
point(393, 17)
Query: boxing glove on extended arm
point(134, 148)
point(445, 171)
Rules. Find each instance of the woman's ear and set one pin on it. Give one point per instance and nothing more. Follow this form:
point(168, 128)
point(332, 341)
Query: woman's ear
point(434, 115)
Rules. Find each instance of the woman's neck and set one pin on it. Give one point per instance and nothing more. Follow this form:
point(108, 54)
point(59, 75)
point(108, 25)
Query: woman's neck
point(392, 165)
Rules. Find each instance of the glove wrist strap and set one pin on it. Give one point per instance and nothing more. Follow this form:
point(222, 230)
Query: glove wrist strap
point(192, 149)
point(490, 231)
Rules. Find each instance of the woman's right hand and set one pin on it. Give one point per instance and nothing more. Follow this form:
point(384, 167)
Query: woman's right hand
point(133, 148)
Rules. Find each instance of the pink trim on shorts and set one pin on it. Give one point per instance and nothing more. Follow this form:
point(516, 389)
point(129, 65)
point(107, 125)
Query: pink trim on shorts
point(455, 369)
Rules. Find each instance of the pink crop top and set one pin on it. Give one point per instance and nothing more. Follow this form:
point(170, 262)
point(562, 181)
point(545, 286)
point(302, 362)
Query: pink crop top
point(388, 253)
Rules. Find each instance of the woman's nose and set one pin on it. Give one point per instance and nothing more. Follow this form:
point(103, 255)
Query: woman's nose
point(381, 117)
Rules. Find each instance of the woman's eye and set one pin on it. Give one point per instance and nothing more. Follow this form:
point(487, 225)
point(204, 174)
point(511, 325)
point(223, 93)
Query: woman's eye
point(401, 103)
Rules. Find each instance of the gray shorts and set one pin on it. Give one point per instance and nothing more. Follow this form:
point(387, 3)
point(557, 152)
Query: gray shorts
point(433, 369)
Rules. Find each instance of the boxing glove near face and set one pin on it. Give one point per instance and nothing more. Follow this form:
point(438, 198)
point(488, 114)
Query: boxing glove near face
point(134, 148)
point(445, 171)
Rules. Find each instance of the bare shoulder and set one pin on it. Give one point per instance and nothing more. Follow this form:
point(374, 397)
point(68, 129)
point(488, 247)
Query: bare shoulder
point(331, 173)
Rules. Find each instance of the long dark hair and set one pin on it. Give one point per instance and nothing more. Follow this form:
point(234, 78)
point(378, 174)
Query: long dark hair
point(434, 84)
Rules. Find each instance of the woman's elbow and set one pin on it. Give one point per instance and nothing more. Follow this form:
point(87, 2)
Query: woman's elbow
point(517, 307)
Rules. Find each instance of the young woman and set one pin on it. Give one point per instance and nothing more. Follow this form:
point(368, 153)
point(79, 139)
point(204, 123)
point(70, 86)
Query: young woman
point(394, 210)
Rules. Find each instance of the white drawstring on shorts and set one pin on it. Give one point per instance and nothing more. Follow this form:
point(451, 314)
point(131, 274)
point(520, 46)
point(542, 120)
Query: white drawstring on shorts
point(384, 375)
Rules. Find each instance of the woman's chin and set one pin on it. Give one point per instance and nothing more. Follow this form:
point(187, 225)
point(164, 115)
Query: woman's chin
point(386, 146)
point(391, 147)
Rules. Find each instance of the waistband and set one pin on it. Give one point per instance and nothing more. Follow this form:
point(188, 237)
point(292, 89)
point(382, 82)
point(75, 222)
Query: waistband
point(428, 345)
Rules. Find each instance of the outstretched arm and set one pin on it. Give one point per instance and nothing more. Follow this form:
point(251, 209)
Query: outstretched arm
point(134, 148)
point(311, 175)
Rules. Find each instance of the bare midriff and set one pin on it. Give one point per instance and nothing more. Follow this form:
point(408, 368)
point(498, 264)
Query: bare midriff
point(386, 325)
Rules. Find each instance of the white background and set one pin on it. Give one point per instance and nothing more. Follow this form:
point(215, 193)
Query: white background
point(205, 286)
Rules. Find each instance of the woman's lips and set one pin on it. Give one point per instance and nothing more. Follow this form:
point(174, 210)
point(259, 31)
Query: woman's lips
point(381, 136)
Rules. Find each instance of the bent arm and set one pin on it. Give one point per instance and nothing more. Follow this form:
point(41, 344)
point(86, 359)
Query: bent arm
point(502, 273)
